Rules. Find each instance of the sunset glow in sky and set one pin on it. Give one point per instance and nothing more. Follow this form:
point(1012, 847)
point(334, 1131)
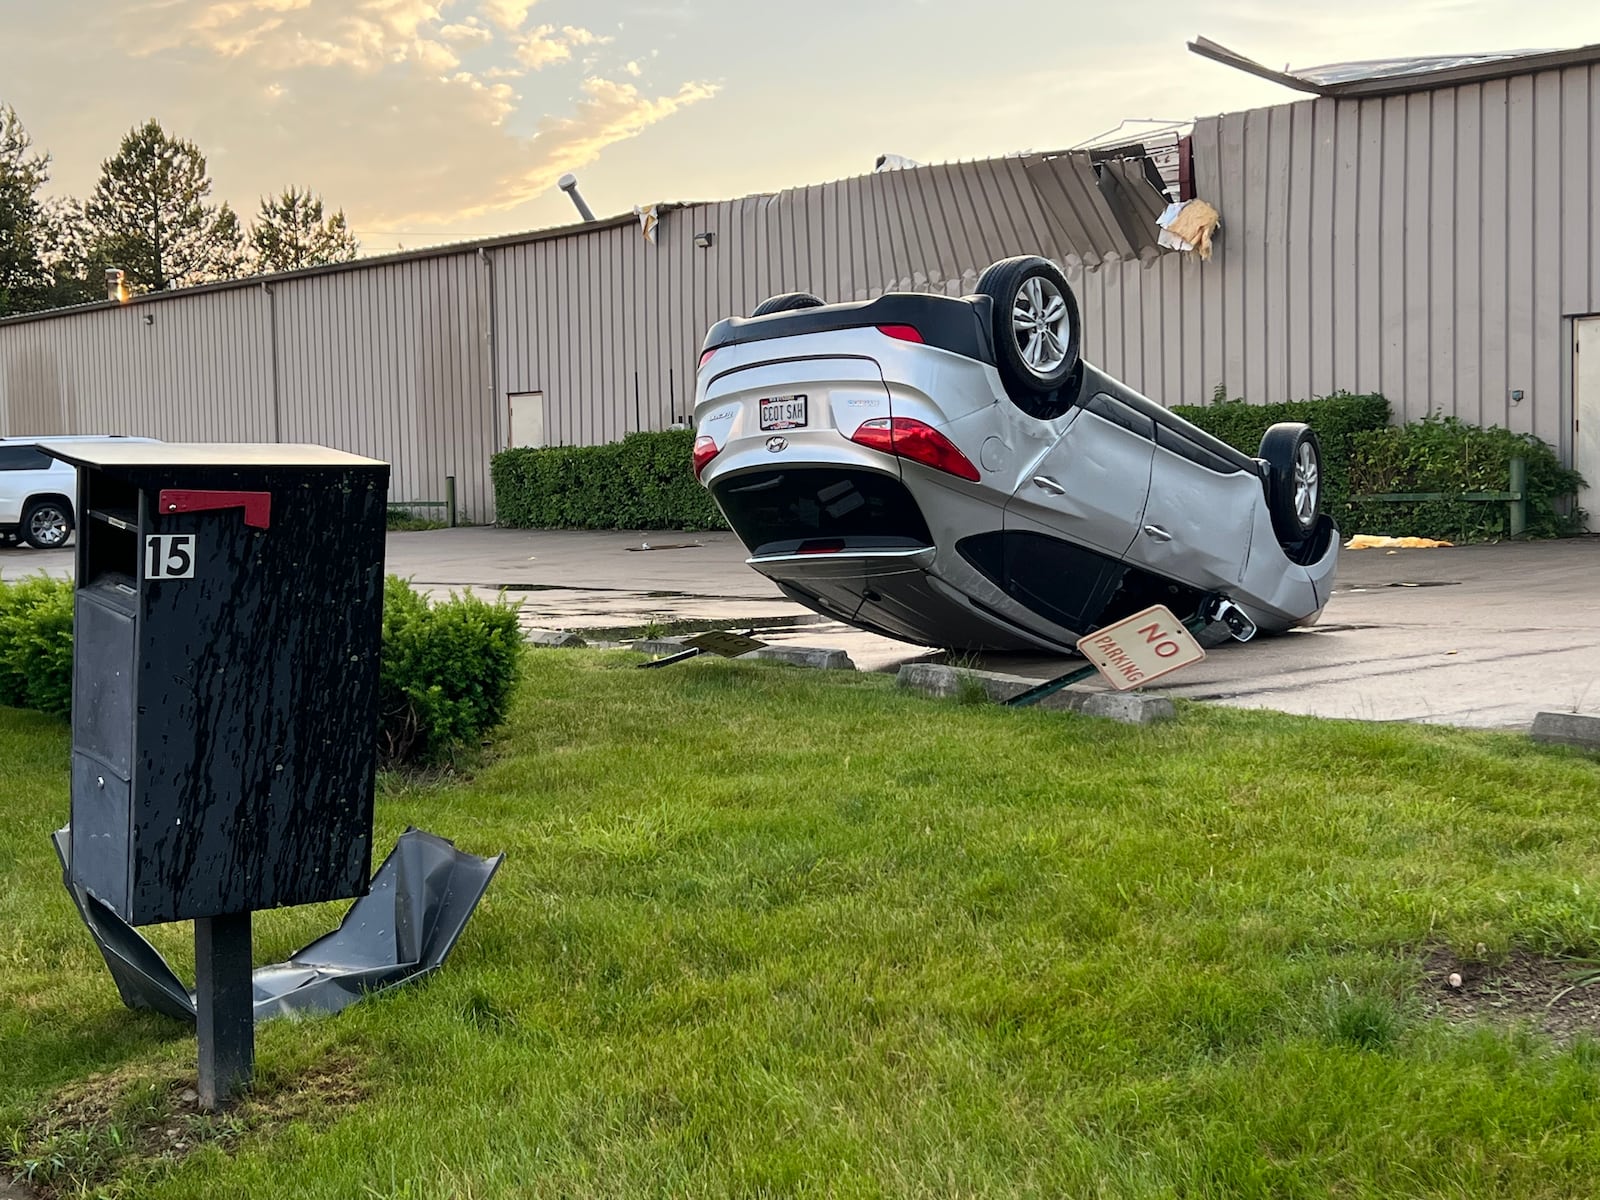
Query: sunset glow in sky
point(437, 120)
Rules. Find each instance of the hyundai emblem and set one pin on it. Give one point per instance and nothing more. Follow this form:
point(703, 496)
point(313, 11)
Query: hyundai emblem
point(775, 444)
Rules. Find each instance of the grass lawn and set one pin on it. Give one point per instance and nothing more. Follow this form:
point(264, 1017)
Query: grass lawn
point(765, 932)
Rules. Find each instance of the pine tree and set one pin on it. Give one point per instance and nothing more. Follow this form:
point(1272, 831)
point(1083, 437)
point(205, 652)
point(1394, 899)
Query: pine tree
point(149, 216)
point(290, 232)
point(24, 276)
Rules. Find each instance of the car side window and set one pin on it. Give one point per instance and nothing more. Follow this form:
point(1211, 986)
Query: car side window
point(1118, 413)
point(23, 458)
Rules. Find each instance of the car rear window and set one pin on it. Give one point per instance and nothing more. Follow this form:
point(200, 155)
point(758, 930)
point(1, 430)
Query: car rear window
point(23, 458)
point(779, 509)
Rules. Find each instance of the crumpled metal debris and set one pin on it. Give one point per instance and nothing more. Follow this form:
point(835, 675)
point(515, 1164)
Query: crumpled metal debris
point(402, 929)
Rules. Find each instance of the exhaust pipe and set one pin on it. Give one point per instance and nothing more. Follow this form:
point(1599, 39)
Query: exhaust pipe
point(568, 183)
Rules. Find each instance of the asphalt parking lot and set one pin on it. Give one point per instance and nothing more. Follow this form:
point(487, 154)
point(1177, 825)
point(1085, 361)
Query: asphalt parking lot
point(1482, 636)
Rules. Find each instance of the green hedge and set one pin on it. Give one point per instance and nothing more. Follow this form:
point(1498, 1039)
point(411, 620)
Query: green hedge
point(1337, 419)
point(644, 481)
point(447, 672)
point(1442, 454)
point(641, 482)
point(36, 644)
point(447, 675)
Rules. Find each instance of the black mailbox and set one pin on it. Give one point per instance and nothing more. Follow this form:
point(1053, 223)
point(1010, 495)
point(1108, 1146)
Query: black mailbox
point(228, 612)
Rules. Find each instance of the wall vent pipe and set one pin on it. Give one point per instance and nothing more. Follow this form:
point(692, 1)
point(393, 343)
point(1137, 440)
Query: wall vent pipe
point(568, 183)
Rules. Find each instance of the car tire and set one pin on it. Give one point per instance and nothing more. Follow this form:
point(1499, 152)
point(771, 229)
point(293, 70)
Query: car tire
point(1035, 324)
point(46, 524)
point(788, 302)
point(1294, 480)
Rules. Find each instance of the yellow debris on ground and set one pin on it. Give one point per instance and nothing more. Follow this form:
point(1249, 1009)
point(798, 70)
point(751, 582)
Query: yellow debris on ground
point(1367, 541)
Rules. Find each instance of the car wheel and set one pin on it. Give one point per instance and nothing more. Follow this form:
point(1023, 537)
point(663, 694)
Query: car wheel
point(1036, 328)
point(788, 302)
point(1294, 480)
point(46, 524)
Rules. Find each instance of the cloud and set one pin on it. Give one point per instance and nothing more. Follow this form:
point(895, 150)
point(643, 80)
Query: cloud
point(541, 47)
point(367, 101)
point(284, 34)
point(609, 112)
point(508, 14)
point(576, 36)
point(469, 32)
point(544, 45)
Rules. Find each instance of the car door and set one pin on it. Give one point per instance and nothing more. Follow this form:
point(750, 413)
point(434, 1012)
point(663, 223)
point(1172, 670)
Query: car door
point(1198, 517)
point(24, 472)
point(1091, 486)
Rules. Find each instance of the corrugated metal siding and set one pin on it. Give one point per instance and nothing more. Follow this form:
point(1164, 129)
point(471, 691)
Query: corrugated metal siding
point(1431, 246)
point(391, 362)
point(198, 370)
point(608, 326)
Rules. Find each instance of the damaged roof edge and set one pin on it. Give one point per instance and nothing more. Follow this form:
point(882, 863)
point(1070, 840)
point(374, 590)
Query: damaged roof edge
point(1206, 48)
point(1423, 79)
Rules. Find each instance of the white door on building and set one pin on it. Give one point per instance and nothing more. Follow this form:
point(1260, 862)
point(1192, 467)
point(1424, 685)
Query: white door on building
point(527, 419)
point(1586, 412)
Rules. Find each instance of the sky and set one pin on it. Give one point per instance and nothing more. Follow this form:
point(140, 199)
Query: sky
point(432, 121)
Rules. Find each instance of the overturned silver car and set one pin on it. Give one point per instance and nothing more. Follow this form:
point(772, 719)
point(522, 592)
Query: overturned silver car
point(949, 472)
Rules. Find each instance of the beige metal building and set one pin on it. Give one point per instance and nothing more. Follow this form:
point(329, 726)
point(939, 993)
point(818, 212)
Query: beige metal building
point(1434, 236)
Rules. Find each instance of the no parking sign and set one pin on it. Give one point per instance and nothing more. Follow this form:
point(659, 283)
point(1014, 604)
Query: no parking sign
point(1137, 649)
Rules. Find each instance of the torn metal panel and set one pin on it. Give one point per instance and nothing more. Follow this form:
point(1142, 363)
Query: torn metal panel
point(1396, 76)
point(403, 928)
point(1085, 226)
point(1134, 200)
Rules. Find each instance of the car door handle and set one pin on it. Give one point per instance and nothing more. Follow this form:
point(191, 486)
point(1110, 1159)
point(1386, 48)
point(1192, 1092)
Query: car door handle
point(1049, 485)
point(1160, 534)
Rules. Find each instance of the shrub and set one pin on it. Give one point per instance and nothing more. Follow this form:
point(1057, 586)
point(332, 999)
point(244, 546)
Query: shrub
point(1443, 454)
point(447, 674)
point(641, 482)
point(446, 677)
point(1337, 420)
point(36, 644)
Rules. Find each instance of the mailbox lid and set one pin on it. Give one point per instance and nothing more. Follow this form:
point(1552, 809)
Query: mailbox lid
point(203, 454)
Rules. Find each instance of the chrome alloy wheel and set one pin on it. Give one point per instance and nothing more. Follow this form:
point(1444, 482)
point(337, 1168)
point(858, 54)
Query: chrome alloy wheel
point(1307, 484)
point(1039, 323)
point(48, 527)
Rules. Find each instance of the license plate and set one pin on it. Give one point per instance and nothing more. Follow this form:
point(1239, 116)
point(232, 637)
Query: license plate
point(783, 412)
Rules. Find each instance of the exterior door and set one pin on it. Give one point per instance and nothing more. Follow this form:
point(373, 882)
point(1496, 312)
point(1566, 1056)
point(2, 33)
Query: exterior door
point(1197, 523)
point(1090, 487)
point(527, 419)
point(1586, 412)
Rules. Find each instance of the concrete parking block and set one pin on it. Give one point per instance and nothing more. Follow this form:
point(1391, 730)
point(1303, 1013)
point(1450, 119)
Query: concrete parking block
point(1567, 729)
point(805, 656)
point(553, 637)
point(660, 646)
point(936, 679)
point(1130, 708)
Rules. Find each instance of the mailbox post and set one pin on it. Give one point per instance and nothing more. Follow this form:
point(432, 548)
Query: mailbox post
point(224, 710)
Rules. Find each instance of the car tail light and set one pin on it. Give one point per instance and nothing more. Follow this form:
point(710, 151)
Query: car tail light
point(906, 437)
point(706, 356)
point(705, 449)
point(906, 333)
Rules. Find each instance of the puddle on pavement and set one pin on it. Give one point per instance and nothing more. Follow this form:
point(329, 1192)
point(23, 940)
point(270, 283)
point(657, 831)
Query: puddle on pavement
point(1404, 583)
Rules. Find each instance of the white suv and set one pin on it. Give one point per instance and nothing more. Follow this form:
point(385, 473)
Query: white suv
point(36, 491)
